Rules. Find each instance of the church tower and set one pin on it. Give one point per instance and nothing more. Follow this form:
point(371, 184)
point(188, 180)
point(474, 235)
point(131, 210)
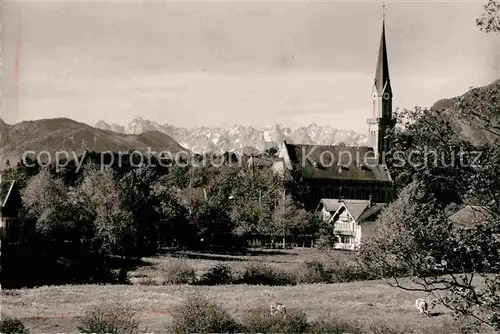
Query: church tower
point(381, 120)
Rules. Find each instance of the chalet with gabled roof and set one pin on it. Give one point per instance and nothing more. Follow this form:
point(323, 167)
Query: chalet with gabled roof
point(353, 220)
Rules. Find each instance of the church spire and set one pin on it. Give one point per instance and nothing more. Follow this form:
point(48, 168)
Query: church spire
point(381, 121)
point(382, 80)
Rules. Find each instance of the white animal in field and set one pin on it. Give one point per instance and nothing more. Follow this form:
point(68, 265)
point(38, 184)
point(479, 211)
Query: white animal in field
point(422, 306)
point(276, 308)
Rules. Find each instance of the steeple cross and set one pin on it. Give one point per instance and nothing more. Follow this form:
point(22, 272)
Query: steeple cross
point(383, 10)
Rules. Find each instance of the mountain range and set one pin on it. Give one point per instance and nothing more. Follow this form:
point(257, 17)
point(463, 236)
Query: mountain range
point(238, 138)
point(63, 134)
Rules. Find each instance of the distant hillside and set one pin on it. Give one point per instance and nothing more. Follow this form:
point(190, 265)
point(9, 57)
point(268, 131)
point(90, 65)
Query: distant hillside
point(237, 138)
point(63, 134)
point(484, 102)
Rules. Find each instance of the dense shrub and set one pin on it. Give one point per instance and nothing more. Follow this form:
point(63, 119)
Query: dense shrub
point(199, 315)
point(463, 325)
point(262, 274)
point(149, 281)
point(343, 272)
point(221, 273)
point(379, 327)
point(260, 320)
point(313, 272)
point(10, 325)
point(334, 325)
point(109, 317)
point(334, 272)
point(178, 271)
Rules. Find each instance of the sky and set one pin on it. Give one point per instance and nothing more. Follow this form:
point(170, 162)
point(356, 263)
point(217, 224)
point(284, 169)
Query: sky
point(231, 62)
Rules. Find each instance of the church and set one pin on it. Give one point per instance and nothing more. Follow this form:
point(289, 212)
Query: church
point(349, 172)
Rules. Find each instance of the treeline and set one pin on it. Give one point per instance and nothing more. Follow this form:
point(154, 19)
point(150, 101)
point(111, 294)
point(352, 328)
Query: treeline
point(77, 224)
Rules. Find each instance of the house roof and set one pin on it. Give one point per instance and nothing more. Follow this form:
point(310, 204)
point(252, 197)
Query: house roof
point(371, 212)
point(5, 190)
point(356, 207)
point(330, 204)
point(337, 162)
point(361, 210)
point(469, 215)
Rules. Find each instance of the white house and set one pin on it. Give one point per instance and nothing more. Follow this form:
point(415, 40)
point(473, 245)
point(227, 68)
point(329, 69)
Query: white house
point(353, 220)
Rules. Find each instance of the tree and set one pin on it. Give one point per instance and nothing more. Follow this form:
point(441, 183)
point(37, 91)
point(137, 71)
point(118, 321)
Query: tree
point(426, 143)
point(212, 225)
point(325, 231)
point(490, 19)
point(173, 216)
point(222, 185)
point(47, 202)
point(247, 215)
point(286, 219)
point(138, 196)
point(414, 235)
point(100, 204)
point(178, 176)
point(255, 197)
point(22, 172)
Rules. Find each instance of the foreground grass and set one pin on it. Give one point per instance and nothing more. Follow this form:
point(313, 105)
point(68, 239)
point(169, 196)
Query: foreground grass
point(58, 308)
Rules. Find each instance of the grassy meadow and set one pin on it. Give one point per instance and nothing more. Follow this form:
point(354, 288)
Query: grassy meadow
point(286, 260)
point(53, 309)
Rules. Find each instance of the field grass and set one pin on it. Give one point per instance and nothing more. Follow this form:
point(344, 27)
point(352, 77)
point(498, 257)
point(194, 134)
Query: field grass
point(58, 308)
point(288, 259)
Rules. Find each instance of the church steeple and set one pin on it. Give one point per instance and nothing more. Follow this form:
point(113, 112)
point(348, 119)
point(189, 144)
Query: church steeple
point(381, 120)
point(382, 80)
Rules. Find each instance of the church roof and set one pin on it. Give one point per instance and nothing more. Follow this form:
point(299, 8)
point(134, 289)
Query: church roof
point(382, 72)
point(337, 163)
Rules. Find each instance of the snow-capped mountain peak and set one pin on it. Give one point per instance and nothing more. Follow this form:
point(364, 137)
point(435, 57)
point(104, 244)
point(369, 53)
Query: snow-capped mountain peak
point(235, 138)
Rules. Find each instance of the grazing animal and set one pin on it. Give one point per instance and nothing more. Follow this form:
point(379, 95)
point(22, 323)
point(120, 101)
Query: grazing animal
point(278, 308)
point(422, 306)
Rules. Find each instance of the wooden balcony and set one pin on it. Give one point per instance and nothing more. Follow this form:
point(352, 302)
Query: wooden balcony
point(344, 228)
